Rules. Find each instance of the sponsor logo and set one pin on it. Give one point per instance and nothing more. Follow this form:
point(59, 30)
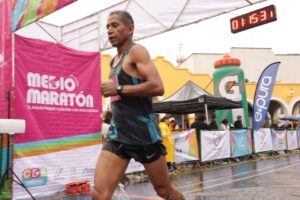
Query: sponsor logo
point(34, 177)
point(46, 91)
point(241, 142)
point(217, 137)
point(263, 135)
point(150, 156)
point(261, 102)
point(230, 88)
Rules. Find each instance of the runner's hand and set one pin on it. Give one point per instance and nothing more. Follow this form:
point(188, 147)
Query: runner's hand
point(108, 88)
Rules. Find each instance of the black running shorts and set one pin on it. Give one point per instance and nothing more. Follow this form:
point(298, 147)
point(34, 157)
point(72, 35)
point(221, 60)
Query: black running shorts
point(141, 153)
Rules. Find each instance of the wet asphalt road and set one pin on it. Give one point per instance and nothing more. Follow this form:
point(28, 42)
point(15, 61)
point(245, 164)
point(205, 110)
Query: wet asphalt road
point(271, 178)
point(275, 179)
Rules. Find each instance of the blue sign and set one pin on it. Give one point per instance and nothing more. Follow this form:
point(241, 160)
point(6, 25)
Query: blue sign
point(263, 94)
point(240, 143)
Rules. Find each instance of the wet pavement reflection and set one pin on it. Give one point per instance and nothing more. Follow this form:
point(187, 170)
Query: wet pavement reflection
point(274, 178)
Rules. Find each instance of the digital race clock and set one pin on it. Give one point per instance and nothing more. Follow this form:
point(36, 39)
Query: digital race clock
point(253, 19)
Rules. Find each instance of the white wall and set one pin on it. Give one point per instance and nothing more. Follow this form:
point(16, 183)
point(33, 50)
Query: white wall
point(253, 62)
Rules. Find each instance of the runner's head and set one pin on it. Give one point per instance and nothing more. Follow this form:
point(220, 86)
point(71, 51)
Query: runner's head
point(120, 27)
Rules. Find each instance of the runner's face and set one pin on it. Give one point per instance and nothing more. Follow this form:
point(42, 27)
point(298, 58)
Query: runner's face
point(118, 32)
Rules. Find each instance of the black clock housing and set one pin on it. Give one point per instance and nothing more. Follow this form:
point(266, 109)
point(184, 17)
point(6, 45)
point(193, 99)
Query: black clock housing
point(253, 19)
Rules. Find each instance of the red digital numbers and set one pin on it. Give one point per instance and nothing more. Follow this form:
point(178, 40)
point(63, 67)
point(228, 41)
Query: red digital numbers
point(253, 19)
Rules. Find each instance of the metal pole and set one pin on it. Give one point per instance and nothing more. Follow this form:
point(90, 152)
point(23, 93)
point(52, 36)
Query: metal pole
point(206, 113)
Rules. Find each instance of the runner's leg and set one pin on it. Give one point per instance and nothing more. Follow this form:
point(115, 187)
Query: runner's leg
point(108, 172)
point(158, 175)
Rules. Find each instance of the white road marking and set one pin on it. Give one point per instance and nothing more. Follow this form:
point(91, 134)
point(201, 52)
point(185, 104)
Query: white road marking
point(231, 176)
point(236, 180)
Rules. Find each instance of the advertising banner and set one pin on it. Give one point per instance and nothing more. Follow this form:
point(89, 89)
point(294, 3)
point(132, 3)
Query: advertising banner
point(26, 11)
point(186, 147)
point(215, 145)
point(5, 79)
point(229, 82)
point(57, 90)
point(5, 56)
point(263, 94)
point(240, 142)
point(48, 174)
point(292, 141)
point(2, 31)
point(279, 140)
point(57, 93)
point(262, 140)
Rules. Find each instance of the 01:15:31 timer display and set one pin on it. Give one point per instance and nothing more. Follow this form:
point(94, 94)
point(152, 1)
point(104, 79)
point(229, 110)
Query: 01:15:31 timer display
point(253, 19)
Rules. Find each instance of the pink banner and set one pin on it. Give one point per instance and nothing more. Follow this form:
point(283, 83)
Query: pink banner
point(5, 56)
point(57, 90)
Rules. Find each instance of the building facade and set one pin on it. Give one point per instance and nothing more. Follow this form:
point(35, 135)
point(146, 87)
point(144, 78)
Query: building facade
point(199, 68)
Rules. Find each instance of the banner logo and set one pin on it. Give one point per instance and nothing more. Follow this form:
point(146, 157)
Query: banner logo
point(263, 135)
point(229, 88)
point(217, 137)
point(34, 177)
point(44, 89)
point(261, 100)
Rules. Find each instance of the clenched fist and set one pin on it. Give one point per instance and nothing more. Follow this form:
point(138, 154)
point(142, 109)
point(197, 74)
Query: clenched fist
point(108, 88)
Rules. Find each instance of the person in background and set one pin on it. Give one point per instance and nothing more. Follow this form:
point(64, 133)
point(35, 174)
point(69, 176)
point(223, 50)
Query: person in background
point(172, 124)
point(168, 142)
point(106, 118)
point(291, 126)
point(238, 124)
point(224, 125)
point(283, 124)
point(199, 124)
point(275, 123)
point(213, 124)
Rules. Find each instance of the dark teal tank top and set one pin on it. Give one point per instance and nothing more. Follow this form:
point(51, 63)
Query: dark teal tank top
point(133, 120)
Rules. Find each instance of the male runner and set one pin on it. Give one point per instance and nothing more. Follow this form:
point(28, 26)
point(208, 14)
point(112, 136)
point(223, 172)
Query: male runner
point(133, 133)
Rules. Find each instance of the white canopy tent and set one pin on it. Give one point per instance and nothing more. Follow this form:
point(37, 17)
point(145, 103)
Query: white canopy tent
point(151, 18)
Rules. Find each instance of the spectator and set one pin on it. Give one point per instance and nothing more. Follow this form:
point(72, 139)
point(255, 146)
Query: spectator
point(282, 124)
point(225, 125)
point(213, 125)
point(168, 142)
point(199, 124)
point(172, 124)
point(238, 124)
point(106, 118)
